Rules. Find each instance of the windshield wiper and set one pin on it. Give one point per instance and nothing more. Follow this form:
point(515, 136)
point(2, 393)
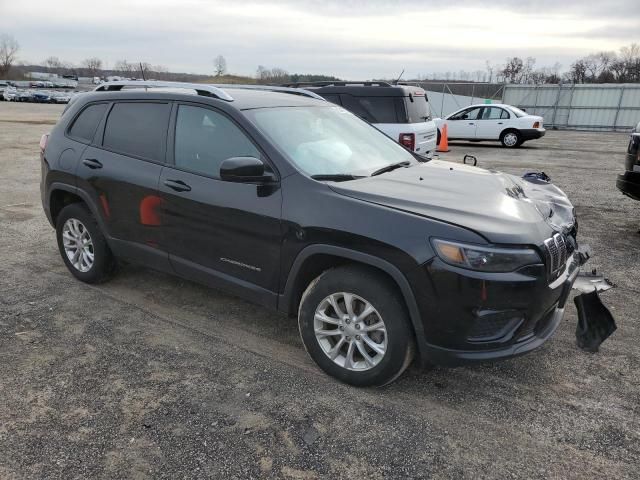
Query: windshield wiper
point(335, 177)
point(391, 167)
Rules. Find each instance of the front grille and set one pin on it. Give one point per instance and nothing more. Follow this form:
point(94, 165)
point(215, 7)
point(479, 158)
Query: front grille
point(557, 254)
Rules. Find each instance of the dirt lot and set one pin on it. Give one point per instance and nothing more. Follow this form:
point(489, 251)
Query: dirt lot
point(149, 376)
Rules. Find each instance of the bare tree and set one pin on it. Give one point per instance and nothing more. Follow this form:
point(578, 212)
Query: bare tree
point(578, 72)
point(512, 70)
point(9, 48)
point(220, 65)
point(125, 68)
point(52, 63)
point(490, 70)
point(92, 64)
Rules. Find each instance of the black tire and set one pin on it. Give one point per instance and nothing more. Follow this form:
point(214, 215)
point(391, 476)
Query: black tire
point(511, 139)
point(438, 138)
point(104, 262)
point(383, 295)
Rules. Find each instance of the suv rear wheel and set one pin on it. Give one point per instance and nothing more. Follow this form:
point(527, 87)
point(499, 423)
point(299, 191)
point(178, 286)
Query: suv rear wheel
point(354, 325)
point(82, 245)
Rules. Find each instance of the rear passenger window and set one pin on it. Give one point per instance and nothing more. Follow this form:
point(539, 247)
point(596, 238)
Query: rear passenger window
point(504, 114)
point(138, 129)
point(492, 113)
point(204, 139)
point(372, 109)
point(85, 125)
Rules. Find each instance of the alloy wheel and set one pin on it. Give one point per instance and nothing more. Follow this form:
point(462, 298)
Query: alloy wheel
point(350, 331)
point(78, 245)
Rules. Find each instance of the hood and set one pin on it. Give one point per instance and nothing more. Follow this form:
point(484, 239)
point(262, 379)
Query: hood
point(502, 208)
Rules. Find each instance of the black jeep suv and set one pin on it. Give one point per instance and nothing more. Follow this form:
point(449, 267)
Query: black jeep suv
point(294, 203)
point(629, 181)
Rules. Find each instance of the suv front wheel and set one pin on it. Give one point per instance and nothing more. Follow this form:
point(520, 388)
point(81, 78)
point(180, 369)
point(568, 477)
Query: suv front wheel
point(354, 325)
point(82, 245)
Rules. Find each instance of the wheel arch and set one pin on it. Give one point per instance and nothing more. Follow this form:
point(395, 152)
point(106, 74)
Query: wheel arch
point(61, 194)
point(509, 129)
point(315, 259)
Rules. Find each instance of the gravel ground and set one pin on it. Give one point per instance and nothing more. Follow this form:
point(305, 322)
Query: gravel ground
point(149, 376)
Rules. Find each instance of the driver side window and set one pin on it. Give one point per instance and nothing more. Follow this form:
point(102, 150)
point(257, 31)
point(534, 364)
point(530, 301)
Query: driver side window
point(204, 139)
point(470, 114)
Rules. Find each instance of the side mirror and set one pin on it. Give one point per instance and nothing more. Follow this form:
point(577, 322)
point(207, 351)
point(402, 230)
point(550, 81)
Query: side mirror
point(244, 170)
point(470, 159)
point(464, 117)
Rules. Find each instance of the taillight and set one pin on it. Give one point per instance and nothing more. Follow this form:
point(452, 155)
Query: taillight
point(408, 140)
point(43, 142)
point(536, 125)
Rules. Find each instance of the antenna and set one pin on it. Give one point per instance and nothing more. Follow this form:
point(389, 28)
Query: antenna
point(401, 73)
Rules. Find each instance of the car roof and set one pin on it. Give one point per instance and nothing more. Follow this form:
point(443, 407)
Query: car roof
point(486, 105)
point(243, 99)
point(367, 90)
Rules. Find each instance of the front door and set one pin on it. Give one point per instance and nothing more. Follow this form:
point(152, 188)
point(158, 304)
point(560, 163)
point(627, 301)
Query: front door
point(221, 233)
point(463, 124)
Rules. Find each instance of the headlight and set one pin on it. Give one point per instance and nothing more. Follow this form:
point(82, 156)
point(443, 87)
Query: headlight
point(485, 259)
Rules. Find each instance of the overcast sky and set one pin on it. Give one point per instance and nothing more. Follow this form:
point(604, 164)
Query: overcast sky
point(353, 39)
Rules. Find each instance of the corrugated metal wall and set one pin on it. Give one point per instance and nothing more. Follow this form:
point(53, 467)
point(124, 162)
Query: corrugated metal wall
point(588, 107)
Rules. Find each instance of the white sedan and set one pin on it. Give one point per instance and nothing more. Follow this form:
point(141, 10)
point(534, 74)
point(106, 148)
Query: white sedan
point(508, 124)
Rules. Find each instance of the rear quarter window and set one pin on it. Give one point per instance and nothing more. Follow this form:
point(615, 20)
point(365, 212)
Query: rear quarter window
point(138, 129)
point(85, 125)
point(372, 109)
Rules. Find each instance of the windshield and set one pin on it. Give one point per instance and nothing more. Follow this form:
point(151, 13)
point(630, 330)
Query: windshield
point(517, 112)
point(328, 140)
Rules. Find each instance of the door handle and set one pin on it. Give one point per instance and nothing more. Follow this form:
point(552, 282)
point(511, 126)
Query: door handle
point(499, 123)
point(471, 123)
point(92, 163)
point(177, 185)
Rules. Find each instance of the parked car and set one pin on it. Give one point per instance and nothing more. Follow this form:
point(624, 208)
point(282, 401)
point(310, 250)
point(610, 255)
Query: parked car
point(41, 97)
point(10, 94)
point(629, 182)
point(400, 111)
point(61, 97)
point(294, 203)
point(24, 96)
point(506, 123)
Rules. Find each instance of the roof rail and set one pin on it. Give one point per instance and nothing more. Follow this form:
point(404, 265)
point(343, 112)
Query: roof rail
point(273, 88)
point(336, 84)
point(200, 88)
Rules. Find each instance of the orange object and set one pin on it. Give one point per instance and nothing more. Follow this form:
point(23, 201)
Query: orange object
point(148, 210)
point(443, 146)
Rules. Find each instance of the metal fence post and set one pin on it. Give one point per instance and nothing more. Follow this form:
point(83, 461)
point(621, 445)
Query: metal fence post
point(555, 106)
point(615, 119)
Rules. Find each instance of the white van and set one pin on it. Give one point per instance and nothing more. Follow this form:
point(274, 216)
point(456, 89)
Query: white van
point(400, 111)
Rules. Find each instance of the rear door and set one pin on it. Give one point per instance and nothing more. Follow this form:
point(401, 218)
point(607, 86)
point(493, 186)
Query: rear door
point(221, 233)
point(121, 170)
point(463, 124)
point(492, 122)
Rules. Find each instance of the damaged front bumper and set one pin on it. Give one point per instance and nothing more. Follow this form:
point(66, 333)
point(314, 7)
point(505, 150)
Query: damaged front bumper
point(518, 312)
